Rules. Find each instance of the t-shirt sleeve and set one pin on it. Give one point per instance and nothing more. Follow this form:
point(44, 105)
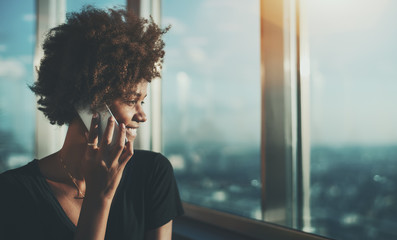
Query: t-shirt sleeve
point(164, 203)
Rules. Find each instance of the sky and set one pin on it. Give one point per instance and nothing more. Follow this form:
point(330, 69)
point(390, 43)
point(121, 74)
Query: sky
point(353, 71)
point(212, 69)
point(211, 77)
point(17, 39)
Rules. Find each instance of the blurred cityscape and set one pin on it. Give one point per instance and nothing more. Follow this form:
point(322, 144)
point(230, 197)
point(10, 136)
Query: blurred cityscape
point(354, 192)
point(353, 189)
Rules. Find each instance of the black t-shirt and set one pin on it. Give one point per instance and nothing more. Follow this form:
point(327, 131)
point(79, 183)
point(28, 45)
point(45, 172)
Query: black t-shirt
point(147, 198)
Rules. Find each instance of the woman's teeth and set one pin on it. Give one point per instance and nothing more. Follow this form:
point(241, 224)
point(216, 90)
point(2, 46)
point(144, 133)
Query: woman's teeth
point(132, 131)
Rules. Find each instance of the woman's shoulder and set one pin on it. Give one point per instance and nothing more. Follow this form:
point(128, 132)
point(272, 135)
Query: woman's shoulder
point(19, 183)
point(21, 173)
point(149, 158)
point(149, 162)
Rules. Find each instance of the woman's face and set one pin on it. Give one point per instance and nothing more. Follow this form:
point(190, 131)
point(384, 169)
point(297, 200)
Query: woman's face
point(130, 111)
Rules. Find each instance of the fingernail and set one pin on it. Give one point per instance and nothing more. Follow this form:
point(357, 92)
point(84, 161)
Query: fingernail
point(122, 125)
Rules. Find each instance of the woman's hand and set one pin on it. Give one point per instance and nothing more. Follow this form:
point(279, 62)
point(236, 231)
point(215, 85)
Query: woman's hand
point(103, 168)
point(104, 165)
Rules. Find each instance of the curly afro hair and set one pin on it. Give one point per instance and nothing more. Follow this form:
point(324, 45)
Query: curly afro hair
point(94, 58)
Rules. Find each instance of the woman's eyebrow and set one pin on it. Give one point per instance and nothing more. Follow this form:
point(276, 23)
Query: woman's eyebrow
point(138, 94)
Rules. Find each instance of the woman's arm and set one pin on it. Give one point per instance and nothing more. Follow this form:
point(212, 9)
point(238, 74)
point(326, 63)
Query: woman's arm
point(162, 233)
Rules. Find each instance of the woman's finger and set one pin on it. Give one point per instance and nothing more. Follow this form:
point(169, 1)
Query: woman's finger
point(108, 133)
point(121, 137)
point(127, 153)
point(119, 143)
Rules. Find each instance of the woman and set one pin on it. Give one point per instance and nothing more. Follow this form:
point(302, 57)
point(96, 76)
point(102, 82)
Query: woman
point(93, 189)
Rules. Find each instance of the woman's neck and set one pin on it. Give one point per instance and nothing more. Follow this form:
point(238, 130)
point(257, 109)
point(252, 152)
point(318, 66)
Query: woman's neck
point(71, 153)
point(73, 149)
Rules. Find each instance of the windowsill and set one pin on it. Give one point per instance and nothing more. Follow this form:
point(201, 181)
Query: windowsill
point(203, 223)
point(186, 228)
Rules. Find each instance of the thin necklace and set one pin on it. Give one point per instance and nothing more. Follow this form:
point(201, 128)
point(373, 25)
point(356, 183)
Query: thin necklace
point(80, 194)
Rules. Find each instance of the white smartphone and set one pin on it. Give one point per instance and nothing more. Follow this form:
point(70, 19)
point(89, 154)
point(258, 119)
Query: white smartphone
point(86, 116)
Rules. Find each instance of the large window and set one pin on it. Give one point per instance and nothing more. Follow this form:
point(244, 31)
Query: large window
point(309, 140)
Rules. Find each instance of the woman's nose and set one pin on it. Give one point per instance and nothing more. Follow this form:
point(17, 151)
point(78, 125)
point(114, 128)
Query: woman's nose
point(140, 114)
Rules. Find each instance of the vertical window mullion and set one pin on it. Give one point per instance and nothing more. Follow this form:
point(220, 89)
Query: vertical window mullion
point(49, 138)
point(291, 112)
point(304, 118)
point(277, 144)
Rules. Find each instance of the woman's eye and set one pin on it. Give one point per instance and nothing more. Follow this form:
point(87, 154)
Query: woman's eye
point(133, 102)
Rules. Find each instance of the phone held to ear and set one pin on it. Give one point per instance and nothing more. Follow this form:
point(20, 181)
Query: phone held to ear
point(86, 116)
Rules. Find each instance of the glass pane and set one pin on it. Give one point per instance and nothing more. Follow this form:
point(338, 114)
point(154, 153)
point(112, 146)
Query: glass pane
point(353, 118)
point(17, 103)
point(211, 102)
